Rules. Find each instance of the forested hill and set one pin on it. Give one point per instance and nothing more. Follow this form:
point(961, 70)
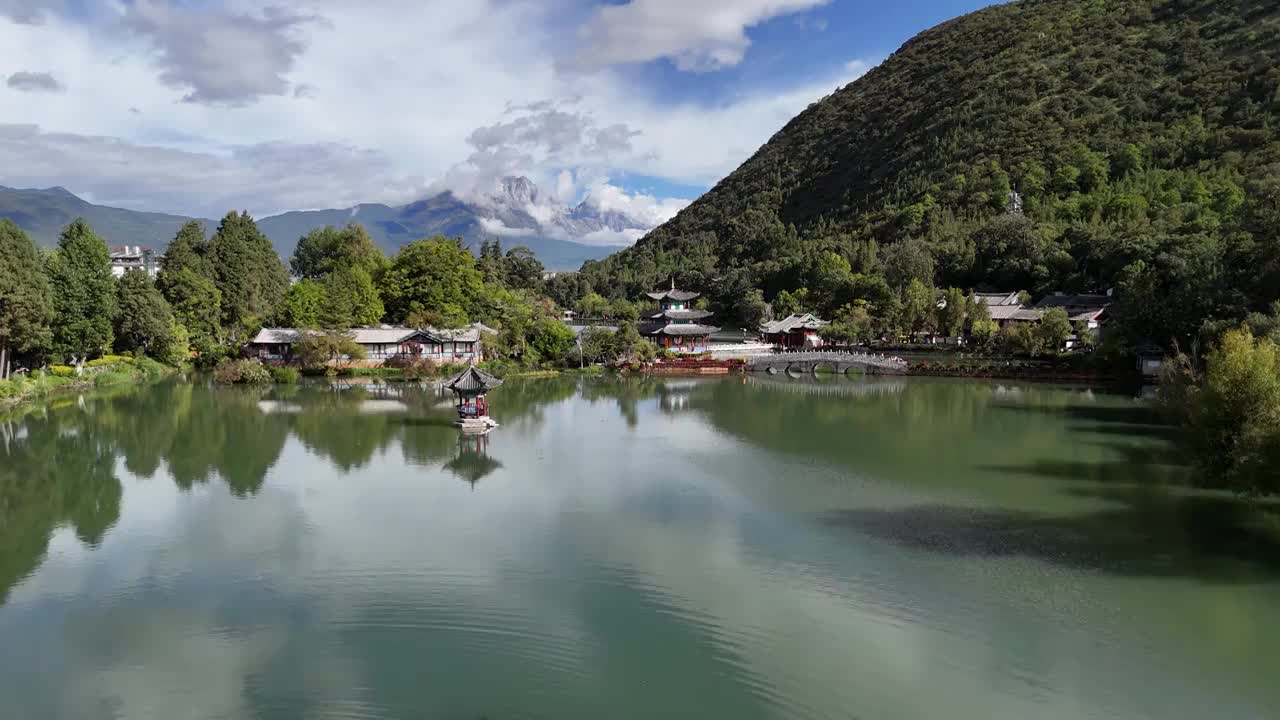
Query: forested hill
point(1141, 136)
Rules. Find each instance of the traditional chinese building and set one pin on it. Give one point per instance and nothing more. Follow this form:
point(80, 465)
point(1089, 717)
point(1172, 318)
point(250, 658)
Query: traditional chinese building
point(381, 344)
point(675, 326)
point(794, 332)
point(472, 387)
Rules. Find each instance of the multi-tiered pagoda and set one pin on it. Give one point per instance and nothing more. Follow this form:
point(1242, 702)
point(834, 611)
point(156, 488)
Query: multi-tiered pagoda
point(675, 326)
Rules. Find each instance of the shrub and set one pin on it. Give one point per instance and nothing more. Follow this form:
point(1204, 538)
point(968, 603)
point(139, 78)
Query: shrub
point(112, 377)
point(414, 368)
point(62, 371)
point(285, 375)
point(109, 360)
point(241, 372)
point(10, 389)
point(150, 368)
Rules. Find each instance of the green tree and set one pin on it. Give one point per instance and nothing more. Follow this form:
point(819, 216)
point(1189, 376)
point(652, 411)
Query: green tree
point(832, 279)
point(25, 303)
point(918, 307)
point(908, 260)
point(431, 275)
point(851, 326)
point(522, 269)
point(303, 305)
point(631, 346)
point(84, 298)
point(1086, 338)
point(593, 305)
point(186, 282)
point(978, 321)
point(144, 320)
point(492, 263)
point(318, 349)
point(785, 304)
point(952, 314)
point(596, 344)
point(551, 340)
point(327, 249)
point(1232, 415)
point(248, 274)
point(624, 310)
point(1054, 329)
point(1020, 337)
point(350, 299)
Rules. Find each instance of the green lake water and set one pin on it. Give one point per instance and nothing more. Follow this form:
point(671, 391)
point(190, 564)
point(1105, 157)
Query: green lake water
point(738, 548)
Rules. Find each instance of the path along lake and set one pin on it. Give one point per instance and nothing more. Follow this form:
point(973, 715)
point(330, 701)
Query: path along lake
point(738, 548)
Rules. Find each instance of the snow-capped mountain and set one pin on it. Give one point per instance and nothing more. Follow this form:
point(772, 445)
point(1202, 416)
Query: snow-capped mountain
point(517, 207)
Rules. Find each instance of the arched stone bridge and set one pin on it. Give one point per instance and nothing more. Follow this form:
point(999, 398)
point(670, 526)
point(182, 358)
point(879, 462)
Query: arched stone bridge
point(839, 362)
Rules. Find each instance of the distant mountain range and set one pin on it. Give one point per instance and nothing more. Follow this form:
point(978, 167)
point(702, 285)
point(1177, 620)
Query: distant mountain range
point(515, 213)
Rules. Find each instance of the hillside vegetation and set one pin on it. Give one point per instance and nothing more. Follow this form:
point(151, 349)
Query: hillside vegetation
point(1141, 136)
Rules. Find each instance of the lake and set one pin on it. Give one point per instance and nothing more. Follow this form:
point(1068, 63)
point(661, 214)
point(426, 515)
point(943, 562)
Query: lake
point(731, 548)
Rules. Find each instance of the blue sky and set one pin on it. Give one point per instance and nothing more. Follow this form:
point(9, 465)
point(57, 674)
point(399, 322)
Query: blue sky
point(199, 106)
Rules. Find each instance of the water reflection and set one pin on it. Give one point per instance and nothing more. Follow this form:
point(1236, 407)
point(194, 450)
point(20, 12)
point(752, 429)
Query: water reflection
point(754, 547)
point(471, 460)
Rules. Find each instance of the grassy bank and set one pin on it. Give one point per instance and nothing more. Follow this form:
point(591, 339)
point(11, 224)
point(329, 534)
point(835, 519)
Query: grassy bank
point(109, 371)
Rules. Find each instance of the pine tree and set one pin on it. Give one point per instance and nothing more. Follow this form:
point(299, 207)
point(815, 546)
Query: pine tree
point(25, 307)
point(186, 282)
point(248, 273)
point(84, 298)
point(144, 320)
point(350, 299)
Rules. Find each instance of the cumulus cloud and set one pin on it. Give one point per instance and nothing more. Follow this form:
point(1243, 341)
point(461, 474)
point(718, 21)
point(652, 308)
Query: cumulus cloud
point(538, 138)
point(389, 122)
point(28, 11)
point(34, 82)
point(695, 36)
point(263, 178)
point(647, 210)
point(220, 58)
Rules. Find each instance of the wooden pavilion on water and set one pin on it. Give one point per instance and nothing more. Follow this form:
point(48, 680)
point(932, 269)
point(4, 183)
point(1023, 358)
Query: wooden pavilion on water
point(472, 387)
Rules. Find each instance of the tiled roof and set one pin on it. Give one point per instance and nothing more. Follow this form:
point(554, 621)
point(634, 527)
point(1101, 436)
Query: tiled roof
point(1004, 312)
point(1028, 314)
point(1074, 301)
point(376, 336)
point(473, 380)
point(673, 294)
point(680, 315)
point(684, 330)
point(807, 321)
point(998, 299)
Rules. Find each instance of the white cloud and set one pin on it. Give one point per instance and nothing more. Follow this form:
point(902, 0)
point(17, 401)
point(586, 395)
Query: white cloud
point(267, 177)
point(220, 57)
point(338, 103)
point(647, 209)
point(696, 36)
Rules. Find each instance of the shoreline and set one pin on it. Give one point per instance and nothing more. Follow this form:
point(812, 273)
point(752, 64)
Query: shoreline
point(49, 388)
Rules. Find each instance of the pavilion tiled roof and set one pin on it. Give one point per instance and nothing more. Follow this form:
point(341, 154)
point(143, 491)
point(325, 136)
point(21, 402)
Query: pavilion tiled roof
point(673, 294)
point(473, 380)
point(684, 330)
point(680, 315)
